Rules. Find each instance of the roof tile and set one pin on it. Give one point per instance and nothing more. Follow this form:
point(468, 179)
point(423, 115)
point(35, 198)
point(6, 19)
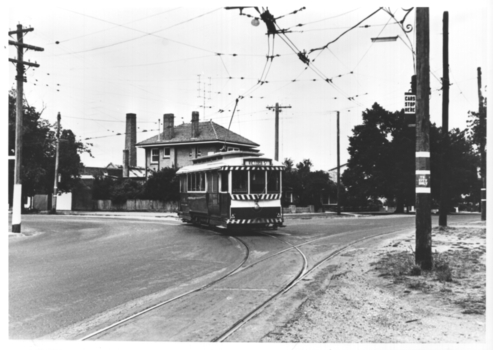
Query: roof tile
point(208, 131)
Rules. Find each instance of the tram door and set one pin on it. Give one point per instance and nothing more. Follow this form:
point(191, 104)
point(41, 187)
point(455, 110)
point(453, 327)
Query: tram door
point(223, 189)
point(212, 193)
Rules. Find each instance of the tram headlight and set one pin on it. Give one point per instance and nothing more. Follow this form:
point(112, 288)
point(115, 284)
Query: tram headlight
point(256, 206)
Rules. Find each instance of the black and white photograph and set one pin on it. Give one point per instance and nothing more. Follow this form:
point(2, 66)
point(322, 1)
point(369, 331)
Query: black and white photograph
point(283, 175)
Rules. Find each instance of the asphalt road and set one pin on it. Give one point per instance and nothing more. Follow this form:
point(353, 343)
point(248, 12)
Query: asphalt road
point(77, 273)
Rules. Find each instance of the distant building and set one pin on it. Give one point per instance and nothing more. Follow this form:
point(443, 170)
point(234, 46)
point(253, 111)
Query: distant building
point(177, 146)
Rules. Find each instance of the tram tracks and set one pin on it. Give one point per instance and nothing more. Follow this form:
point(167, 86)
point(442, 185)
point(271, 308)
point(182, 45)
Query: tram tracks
point(303, 272)
point(160, 304)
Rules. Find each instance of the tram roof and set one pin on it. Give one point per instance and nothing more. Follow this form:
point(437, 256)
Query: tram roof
point(233, 163)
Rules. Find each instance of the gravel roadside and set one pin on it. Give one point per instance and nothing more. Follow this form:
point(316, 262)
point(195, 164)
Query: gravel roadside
point(372, 294)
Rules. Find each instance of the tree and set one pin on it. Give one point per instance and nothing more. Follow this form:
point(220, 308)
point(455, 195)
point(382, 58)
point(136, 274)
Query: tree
point(307, 187)
point(39, 149)
point(382, 161)
point(475, 130)
point(463, 162)
point(162, 185)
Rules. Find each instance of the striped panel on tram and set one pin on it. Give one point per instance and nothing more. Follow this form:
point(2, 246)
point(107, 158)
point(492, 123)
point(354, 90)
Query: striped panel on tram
point(254, 197)
point(253, 221)
point(252, 168)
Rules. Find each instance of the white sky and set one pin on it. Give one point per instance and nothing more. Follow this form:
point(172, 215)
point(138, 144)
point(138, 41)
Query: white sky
point(145, 58)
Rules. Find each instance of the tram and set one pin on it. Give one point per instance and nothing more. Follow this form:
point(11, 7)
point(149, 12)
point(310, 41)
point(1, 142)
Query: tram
point(230, 189)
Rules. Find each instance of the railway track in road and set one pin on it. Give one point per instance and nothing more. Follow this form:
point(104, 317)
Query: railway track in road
point(160, 304)
point(304, 270)
point(303, 273)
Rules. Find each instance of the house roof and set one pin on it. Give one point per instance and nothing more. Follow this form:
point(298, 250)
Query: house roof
point(208, 132)
point(100, 171)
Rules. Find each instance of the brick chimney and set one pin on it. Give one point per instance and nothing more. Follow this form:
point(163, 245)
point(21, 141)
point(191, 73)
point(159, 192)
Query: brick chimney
point(195, 124)
point(131, 139)
point(168, 126)
point(126, 169)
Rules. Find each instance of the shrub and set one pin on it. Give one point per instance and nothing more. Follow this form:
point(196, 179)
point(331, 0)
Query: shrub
point(415, 270)
point(442, 269)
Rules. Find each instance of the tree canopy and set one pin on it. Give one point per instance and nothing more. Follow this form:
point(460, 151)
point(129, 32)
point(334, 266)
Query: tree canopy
point(307, 186)
point(382, 161)
point(39, 150)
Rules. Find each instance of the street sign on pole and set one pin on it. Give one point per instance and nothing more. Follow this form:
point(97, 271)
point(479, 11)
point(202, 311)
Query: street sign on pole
point(410, 108)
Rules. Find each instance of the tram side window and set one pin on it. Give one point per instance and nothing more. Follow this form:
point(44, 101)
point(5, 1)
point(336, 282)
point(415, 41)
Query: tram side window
point(257, 181)
point(240, 181)
point(273, 181)
point(224, 181)
point(196, 182)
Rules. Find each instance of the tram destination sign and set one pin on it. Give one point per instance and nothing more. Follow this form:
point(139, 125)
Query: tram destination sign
point(258, 162)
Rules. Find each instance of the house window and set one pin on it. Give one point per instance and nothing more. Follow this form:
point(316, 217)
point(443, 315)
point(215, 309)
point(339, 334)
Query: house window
point(191, 152)
point(155, 155)
point(233, 149)
point(198, 152)
point(167, 152)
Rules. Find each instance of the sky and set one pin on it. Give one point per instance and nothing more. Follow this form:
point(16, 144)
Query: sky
point(101, 62)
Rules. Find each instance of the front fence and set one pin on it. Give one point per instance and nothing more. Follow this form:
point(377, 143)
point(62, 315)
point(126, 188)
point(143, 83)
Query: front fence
point(129, 205)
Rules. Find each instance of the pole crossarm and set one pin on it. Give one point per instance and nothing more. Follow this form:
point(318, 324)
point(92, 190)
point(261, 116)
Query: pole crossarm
point(30, 64)
point(274, 107)
point(25, 30)
point(26, 46)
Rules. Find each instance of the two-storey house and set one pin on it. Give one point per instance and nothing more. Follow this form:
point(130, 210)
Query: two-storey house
point(176, 146)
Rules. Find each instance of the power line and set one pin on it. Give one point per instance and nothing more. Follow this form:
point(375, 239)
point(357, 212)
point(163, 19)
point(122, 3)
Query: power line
point(140, 31)
point(103, 30)
point(333, 41)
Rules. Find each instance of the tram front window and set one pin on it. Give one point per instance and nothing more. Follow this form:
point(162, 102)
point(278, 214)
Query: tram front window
point(273, 181)
point(257, 181)
point(240, 181)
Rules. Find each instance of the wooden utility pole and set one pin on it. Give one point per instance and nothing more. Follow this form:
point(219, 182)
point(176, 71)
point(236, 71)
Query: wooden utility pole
point(276, 145)
point(482, 146)
point(55, 187)
point(423, 253)
point(338, 167)
point(444, 202)
point(17, 200)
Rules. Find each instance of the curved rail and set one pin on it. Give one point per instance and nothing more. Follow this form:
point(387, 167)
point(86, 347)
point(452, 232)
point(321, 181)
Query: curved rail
point(237, 325)
point(259, 308)
point(290, 285)
point(155, 306)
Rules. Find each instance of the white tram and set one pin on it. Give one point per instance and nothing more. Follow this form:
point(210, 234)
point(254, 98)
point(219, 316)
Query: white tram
point(228, 189)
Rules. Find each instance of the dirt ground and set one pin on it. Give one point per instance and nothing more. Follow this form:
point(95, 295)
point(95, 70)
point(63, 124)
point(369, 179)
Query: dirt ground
point(375, 294)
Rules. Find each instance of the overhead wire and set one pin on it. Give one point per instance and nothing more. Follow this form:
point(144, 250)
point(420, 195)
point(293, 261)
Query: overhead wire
point(106, 29)
point(140, 31)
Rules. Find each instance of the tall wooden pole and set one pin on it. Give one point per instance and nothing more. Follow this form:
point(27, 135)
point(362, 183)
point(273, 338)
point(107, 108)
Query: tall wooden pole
point(277, 110)
point(19, 61)
point(55, 186)
point(444, 203)
point(482, 147)
point(276, 151)
point(338, 167)
point(423, 253)
point(17, 202)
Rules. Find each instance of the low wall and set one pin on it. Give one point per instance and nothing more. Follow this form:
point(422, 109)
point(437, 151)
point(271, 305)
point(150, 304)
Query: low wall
point(294, 209)
point(134, 205)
